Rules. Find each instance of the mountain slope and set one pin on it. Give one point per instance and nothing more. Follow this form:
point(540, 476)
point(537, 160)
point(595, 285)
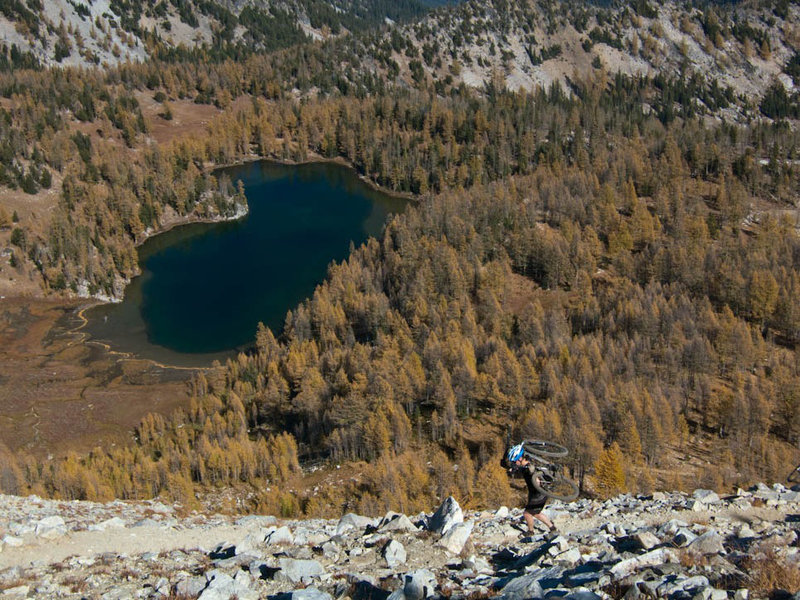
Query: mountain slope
point(668, 545)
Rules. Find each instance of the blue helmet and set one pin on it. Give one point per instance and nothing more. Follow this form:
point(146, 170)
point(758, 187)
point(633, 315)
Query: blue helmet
point(514, 453)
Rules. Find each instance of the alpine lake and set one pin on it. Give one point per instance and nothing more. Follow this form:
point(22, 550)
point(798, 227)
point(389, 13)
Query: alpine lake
point(205, 287)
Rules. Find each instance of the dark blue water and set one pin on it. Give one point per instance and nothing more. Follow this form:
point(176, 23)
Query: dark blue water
point(205, 287)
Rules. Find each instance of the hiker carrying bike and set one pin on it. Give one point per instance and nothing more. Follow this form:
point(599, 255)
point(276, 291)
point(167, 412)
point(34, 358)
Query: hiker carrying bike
point(516, 463)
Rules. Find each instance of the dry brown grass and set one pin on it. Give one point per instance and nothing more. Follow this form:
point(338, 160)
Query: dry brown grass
point(769, 571)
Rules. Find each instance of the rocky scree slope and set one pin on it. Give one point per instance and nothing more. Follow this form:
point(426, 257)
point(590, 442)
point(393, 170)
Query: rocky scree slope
point(669, 545)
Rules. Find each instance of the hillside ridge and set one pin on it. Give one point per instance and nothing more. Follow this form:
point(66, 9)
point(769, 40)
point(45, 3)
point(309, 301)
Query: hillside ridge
point(667, 545)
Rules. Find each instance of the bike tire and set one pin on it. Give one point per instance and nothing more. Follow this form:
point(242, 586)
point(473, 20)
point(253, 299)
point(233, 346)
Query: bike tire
point(560, 488)
point(544, 448)
point(794, 476)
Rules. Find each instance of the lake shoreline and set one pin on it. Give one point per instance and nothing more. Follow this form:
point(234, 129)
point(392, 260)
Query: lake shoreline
point(316, 207)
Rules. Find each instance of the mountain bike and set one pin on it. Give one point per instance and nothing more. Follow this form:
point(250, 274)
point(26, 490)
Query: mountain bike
point(551, 480)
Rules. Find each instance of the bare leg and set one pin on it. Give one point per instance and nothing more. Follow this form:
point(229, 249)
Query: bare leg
point(544, 519)
point(529, 521)
point(529, 517)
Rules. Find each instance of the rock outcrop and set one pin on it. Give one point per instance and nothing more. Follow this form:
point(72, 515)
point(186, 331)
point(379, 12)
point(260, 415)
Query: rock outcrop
point(662, 546)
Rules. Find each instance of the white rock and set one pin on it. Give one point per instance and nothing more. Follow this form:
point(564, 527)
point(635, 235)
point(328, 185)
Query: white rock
point(222, 586)
point(51, 528)
point(649, 559)
point(20, 591)
point(112, 523)
point(708, 543)
point(298, 571)
point(394, 553)
point(446, 516)
point(646, 539)
point(310, 593)
point(453, 541)
point(191, 586)
point(419, 584)
point(279, 535)
point(397, 522)
point(501, 513)
point(352, 521)
point(571, 556)
point(706, 496)
point(12, 541)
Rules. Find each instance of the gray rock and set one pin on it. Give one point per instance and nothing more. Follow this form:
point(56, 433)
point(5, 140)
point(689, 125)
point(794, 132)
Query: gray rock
point(446, 517)
point(397, 522)
point(649, 559)
point(705, 496)
point(670, 528)
point(708, 543)
point(394, 553)
point(455, 538)
point(744, 531)
point(222, 586)
point(683, 537)
point(501, 513)
point(298, 571)
point(256, 521)
point(570, 557)
point(51, 528)
point(741, 594)
point(279, 535)
point(112, 523)
point(526, 587)
point(146, 523)
point(582, 595)
point(12, 541)
point(352, 521)
point(646, 539)
point(419, 584)
point(330, 550)
point(310, 593)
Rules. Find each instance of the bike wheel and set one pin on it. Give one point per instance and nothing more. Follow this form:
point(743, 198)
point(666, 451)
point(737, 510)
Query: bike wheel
point(544, 448)
point(557, 487)
point(794, 476)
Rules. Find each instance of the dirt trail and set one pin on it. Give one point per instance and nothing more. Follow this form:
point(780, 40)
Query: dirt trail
point(138, 540)
point(132, 541)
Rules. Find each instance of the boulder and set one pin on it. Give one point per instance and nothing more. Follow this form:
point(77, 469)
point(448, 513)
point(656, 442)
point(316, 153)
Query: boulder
point(256, 521)
point(646, 540)
point(190, 587)
point(12, 541)
point(455, 538)
point(501, 513)
point(222, 586)
point(397, 522)
point(298, 571)
point(709, 543)
point(51, 528)
point(310, 593)
point(419, 584)
point(705, 496)
point(649, 559)
point(526, 587)
point(394, 554)
point(352, 521)
point(113, 523)
point(446, 517)
point(683, 537)
point(570, 557)
point(278, 535)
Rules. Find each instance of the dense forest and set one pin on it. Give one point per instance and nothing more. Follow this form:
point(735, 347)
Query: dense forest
point(604, 266)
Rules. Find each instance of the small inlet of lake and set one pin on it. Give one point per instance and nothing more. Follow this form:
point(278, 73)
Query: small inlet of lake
point(205, 287)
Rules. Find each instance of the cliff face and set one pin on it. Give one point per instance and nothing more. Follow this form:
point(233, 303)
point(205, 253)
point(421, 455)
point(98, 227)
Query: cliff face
point(670, 545)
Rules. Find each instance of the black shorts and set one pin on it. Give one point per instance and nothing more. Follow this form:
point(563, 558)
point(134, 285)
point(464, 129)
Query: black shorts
point(536, 503)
